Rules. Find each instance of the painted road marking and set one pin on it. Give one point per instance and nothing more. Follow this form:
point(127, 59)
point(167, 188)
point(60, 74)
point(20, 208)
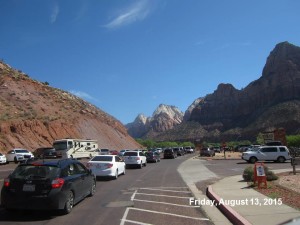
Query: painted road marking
point(169, 196)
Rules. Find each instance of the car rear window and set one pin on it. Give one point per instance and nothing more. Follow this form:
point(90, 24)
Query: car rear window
point(130, 153)
point(33, 171)
point(102, 158)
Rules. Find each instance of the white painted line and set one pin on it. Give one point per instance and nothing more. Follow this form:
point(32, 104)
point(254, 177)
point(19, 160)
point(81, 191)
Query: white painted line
point(166, 203)
point(133, 195)
point(137, 222)
point(170, 214)
point(166, 187)
point(124, 216)
point(156, 189)
point(169, 196)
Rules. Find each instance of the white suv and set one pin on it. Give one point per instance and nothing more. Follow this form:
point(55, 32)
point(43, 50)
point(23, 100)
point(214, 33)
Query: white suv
point(16, 155)
point(267, 153)
point(135, 158)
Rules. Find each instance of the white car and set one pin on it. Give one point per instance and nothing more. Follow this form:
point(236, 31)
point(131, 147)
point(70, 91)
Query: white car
point(135, 158)
point(16, 155)
point(2, 159)
point(189, 149)
point(107, 165)
point(267, 153)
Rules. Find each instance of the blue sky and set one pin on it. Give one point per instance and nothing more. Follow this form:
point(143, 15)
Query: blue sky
point(128, 56)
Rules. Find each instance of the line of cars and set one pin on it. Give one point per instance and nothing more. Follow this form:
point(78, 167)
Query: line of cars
point(59, 184)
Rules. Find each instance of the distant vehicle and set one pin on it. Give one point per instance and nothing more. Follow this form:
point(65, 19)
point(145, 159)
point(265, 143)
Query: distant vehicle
point(47, 184)
point(169, 153)
point(135, 158)
point(107, 165)
point(207, 152)
point(2, 159)
point(267, 153)
point(189, 149)
point(113, 152)
point(18, 154)
point(121, 153)
point(76, 148)
point(159, 150)
point(178, 151)
point(46, 152)
point(103, 151)
point(217, 149)
point(152, 156)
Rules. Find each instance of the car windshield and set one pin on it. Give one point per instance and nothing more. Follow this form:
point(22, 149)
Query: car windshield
point(21, 151)
point(130, 153)
point(102, 158)
point(35, 171)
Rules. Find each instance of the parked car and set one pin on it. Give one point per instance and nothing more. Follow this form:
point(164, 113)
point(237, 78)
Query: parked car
point(45, 152)
point(2, 159)
point(113, 152)
point(16, 155)
point(178, 151)
point(103, 151)
point(267, 153)
point(53, 184)
point(189, 149)
point(169, 153)
point(135, 158)
point(152, 156)
point(107, 165)
point(121, 153)
point(207, 152)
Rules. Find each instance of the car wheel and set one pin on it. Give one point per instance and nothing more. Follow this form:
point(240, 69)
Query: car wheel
point(145, 164)
point(281, 159)
point(116, 174)
point(93, 189)
point(15, 160)
point(69, 203)
point(253, 160)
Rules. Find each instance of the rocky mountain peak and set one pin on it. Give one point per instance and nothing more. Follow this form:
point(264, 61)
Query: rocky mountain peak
point(283, 56)
point(171, 111)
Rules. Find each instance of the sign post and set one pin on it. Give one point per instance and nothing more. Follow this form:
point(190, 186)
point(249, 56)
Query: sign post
point(260, 175)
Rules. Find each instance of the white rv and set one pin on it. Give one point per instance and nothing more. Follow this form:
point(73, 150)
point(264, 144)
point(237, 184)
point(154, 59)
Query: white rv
point(76, 148)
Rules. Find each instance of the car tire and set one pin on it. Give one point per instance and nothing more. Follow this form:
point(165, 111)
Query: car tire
point(116, 174)
point(69, 203)
point(15, 160)
point(281, 159)
point(93, 189)
point(253, 160)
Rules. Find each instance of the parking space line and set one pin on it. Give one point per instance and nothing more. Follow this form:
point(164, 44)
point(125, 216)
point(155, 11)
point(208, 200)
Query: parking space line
point(170, 214)
point(123, 220)
point(170, 196)
point(157, 189)
point(166, 203)
point(133, 195)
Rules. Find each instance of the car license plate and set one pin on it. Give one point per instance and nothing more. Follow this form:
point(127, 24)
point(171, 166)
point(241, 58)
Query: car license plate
point(29, 187)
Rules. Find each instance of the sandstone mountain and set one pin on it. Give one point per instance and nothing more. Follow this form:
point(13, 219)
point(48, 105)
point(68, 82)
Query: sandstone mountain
point(164, 118)
point(269, 102)
point(33, 114)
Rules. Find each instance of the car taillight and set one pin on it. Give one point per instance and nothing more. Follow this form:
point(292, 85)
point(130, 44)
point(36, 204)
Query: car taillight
point(138, 158)
point(109, 165)
point(6, 182)
point(57, 183)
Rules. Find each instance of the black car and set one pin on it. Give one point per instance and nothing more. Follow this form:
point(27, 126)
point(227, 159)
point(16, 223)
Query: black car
point(152, 156)
point(169, 153)
point(45, 152)
point(47, 185)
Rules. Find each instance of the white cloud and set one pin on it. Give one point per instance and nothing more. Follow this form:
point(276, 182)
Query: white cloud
point(136, 12)
point(54, 13)
point(83, 95)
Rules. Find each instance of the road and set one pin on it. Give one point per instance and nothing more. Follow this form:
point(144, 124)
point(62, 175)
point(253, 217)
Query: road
point(155, 194)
